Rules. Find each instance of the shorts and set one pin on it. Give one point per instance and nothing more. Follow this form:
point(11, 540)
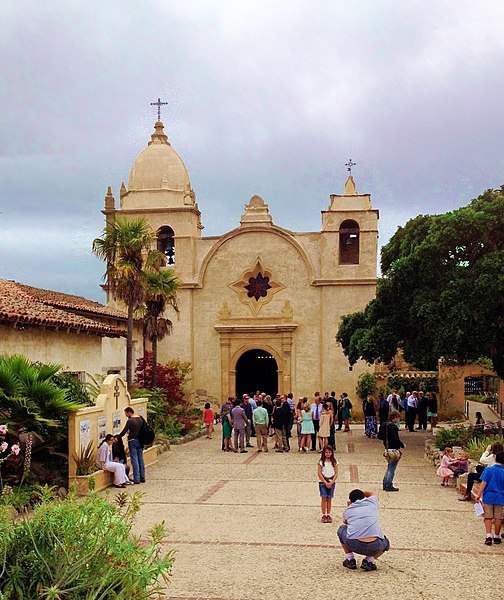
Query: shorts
point(493, 511)
point(326, 492)
point(364, 548)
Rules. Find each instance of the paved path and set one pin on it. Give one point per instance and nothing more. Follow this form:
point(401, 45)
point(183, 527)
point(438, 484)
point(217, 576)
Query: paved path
point(247, 526)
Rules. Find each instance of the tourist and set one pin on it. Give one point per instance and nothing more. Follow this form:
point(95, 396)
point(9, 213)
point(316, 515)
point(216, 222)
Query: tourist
point(394, 401)
point(361, 532)
point(324, 425)
point(208, 420)
point(340, 406)
point(133, 428)
point(461, 464)
point(260, 418)
point(444, 471)
point(292, 408)
point(479, 427)
point(432, 408)
point(299, 420)
point(327, 474)
point(334, 411)
point(247, 407)
point(486, 459)
point(105, 461)
point(383, 408)
point(119, 454)
point(268, 405)
point(370, 427)
point(307, 429)
point(239, 421)
point(345, 413)
point(316, 409)
point(227, 427)
point(281, 417)
point(422, 411)
point(389, 434)
point(411, 413)
point(492, 493)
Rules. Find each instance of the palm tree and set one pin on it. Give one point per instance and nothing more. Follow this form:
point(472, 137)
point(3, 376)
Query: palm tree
point(29, 400)
point(160, 292)
point(127, 247)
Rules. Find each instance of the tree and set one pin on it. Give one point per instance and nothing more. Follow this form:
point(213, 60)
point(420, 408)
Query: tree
point(160, 292)
point(29, 400)
point(442, 291)
point(127, 247)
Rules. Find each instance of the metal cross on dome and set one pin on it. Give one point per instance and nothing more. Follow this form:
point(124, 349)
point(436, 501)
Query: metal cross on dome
point(159, 104)
point(349, 165)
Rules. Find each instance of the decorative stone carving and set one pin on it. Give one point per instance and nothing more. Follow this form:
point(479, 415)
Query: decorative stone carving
point(256, 286)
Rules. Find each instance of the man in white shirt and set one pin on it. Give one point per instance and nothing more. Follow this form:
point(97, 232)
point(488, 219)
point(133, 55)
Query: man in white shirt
point(316, 410)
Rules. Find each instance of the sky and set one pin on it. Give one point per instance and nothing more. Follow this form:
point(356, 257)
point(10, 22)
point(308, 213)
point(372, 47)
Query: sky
point(267, 97)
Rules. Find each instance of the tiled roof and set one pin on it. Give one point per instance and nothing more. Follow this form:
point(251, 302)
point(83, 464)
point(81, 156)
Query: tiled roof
point(22, 304)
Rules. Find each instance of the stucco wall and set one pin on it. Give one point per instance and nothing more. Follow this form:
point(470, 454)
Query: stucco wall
point(74, 352)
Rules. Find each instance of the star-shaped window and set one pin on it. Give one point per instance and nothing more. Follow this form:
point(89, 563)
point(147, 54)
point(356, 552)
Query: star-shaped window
point(256, 286)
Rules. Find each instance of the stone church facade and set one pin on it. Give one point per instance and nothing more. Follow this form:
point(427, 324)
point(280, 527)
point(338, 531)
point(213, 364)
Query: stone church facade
point(259, 305)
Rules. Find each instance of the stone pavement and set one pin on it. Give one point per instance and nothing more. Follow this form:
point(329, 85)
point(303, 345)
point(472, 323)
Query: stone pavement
point(247, 526)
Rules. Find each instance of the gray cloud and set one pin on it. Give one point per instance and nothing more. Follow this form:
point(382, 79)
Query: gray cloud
point(264, 97)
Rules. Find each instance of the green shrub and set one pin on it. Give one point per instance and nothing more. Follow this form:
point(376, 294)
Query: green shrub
point(172, 428)
point(366, 384)
point(476, 446)
point(81, 550)
point(453, 436)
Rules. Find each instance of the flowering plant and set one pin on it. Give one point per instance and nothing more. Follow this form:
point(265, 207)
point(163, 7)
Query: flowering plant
point(4, 449)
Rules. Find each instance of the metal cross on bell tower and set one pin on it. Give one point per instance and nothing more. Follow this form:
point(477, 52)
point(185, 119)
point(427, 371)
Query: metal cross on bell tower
point(159, 104)
point(349, 165)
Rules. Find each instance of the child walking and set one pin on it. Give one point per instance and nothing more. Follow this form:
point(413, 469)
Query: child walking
point(444, 471)
point(492, 493)
point(327, 474)
point(208, 420)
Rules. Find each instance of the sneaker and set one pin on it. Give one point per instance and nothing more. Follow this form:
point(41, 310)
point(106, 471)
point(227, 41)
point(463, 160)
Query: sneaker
point(350, 564)
point(465, 498)
point(368, 566)
point(328, 519)
point(488, 541)
point(497, 540)
point(391, 489)
point(323, 519)
point(243, 451)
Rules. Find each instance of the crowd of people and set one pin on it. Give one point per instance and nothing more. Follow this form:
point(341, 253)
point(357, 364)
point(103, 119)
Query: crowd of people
point(312, 423)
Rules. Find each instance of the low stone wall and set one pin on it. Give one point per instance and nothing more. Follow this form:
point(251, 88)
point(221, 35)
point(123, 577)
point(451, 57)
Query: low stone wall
point(188, 438)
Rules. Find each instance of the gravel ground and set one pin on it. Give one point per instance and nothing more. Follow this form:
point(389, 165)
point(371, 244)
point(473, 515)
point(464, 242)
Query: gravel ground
point(247, 526)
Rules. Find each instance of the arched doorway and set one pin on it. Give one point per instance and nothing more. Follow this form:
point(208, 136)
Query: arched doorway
point(256, 370)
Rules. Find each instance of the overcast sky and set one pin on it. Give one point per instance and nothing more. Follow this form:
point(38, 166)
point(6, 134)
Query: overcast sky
point(268, 97)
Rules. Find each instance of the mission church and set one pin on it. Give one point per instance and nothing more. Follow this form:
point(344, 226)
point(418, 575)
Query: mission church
point(260, 305)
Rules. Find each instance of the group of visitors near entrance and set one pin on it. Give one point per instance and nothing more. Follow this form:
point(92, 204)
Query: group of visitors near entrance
point(314, 423)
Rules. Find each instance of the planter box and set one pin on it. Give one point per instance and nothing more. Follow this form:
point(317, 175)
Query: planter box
point(104, 479)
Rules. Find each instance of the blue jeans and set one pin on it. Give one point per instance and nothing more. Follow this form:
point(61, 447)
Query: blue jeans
point(388, 480)
point(137, 460)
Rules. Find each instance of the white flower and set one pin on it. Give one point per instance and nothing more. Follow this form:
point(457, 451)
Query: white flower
point(15, 449)
point(3, 446)
point(3, 429)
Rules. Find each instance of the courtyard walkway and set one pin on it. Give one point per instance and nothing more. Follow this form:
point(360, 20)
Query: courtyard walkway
point(247, 526)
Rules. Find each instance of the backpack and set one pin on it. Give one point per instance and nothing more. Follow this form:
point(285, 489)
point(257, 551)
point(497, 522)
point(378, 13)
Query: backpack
point(147, 434)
